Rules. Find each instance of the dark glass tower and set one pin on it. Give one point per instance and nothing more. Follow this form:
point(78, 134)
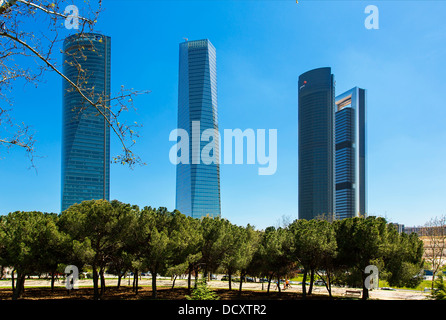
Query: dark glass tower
point(198, 184)
point(351, 154)
point(86, 135)
point(316, 152)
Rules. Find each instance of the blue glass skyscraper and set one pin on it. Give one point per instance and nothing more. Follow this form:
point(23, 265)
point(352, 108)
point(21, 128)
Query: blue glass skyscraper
point(198, 183)
point(86, 134)
point(316, 125)
point(351, 154)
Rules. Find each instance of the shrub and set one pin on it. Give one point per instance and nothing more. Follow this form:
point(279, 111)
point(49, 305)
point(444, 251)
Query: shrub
point(439, 292)
point(202, 292)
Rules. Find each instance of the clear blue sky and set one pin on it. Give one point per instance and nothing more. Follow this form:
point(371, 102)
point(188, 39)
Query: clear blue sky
point(262, 48)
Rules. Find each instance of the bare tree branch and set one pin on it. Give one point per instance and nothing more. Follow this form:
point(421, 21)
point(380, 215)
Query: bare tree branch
point(17, 42)
point(434, 237)
point(29, 3)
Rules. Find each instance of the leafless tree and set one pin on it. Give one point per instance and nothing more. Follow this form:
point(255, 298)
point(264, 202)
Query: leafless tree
point(30, 33)
point(330, 217)
point(434, 236)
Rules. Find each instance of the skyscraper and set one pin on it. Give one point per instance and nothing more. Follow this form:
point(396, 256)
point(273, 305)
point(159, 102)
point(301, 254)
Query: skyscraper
point(316, 125)
point(198, 184)
point(351, 154)
point(86, 135)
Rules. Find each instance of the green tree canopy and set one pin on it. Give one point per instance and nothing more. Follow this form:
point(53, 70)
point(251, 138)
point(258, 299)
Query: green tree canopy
point(96, 228)
point(29, 241)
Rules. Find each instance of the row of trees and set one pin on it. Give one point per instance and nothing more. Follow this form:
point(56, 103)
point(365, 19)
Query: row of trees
point(118, 238)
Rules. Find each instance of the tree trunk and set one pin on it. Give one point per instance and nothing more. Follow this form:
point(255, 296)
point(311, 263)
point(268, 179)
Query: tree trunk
point(241, 283)
point(119, 280)
point(23, 285)
point(433, 278)
point(12, 279)
point(173, 283)
point(52, 280)
point(137, 282)
point(269, 283)
point(95, 284)
point(102, 283)
point(154, 293)
point(304, 288)
point(310, 290)
point(134, 281)
point(196, 278)
point(19, 287)
point(230, 281)
point(328, 285)
point(365, 291)
point(189, 279)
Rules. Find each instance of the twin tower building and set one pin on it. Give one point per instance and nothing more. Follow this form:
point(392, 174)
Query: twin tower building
point(332, 133)
point(332, 148)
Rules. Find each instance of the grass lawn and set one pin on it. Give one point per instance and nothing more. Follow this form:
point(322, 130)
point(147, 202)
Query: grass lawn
point(420, 287)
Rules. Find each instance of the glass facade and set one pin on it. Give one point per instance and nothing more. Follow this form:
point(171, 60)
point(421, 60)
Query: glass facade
point(198, 184)
point(86, 134)
point(351, 149)
point(316, 125)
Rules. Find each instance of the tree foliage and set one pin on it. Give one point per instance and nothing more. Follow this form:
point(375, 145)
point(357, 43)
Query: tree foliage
point(30, 242)
point(118, 238)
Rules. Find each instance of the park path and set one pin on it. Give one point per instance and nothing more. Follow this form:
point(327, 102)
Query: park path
point(166, 282)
